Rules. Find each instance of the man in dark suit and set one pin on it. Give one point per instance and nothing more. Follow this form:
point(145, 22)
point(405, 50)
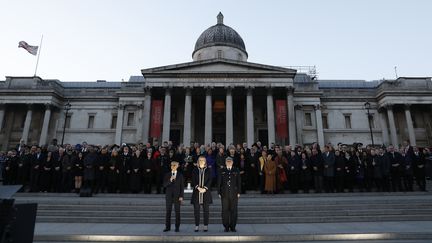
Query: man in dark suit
point(174, 188)
point(396, 161)
point(229, 188)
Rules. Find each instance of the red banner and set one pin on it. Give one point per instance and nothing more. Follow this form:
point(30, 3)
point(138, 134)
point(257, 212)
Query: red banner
point(281, 119)
point(156, 118)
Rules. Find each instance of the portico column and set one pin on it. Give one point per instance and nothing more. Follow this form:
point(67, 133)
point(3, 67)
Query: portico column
point(119, 128)
point(270, 118)
point(146, 115)
point(46, 120)
point(392, 124)
point(208, 130)
point(319, 125)
point(27, 123)
point(187, 118)
point(250, 117)
point(229, 138)
point(2, 115)
point(384, 127)
point(139, 125)
point(166, 116)
point(291, 116)
point(299, 123)
point(410, 126)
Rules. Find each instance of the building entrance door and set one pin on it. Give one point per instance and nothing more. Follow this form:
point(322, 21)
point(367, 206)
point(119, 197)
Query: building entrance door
point(263, 136)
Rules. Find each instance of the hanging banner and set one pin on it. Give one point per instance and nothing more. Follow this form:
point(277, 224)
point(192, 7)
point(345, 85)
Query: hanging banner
point(281, 119)
point(156, 118)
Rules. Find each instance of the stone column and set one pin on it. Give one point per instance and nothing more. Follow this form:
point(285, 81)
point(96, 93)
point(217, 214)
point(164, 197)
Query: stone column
point(45, 126)
point(146, 115)
point(291, 116)
point(2, 115)
point(250, 117)
point(119, 128)
point(208, 132)
point(187, 127)
point(383, 123)
point(319, 125)
point(392, 124)
point(410, 126)
point(139, 125)
point(299, 123)
point(27, 123)
point(270, 118)
point(229, 127)
point(166, 116)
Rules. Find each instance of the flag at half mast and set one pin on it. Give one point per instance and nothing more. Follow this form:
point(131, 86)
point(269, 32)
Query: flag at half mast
point(31, 49)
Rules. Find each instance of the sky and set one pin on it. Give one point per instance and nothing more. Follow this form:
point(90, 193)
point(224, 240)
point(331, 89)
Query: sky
point(89, 40)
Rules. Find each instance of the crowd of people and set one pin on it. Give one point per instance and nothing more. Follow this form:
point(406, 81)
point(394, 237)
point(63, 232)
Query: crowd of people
point(275, 169)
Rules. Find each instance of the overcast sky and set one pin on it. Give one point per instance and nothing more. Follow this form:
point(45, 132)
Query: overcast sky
point(89, 40)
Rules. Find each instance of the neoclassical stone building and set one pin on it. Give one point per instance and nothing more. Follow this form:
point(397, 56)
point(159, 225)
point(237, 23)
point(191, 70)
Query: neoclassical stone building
point(221, 97)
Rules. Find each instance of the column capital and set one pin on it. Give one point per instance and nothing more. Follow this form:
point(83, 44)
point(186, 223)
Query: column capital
point(229, 87)
point(290, 90)
point(407, 106)
point(30, 106)
point(168, 90)
point(208, 90)
point(249, 90)
point(147, 90)
point(188, 89)
point(48, 106)
point(388, 106)
point(298, 107)
point(318, 107)
point(121, 106)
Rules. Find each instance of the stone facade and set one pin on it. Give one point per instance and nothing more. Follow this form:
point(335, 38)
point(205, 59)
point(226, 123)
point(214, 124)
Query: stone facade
point(222, 98)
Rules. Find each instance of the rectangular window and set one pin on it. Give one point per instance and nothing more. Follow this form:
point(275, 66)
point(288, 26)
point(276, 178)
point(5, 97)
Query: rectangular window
point(325, 121)
point(91, 119)
point(308, 119)
point(347, 121)
point(219, 53)
point(131, 119)
point(114, 121)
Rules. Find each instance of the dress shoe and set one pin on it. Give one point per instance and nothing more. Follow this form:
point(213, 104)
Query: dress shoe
point(233, 230)
point(177, 230)
point(166, 230)
point(226, 230)
point(205, 228)
point(196, 228)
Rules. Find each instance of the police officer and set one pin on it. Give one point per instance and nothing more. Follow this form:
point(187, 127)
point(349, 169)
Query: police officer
point(229, 188)
point(174, 188)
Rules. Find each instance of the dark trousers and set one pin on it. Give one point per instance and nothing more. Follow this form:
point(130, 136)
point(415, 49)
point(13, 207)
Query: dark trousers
point(206, 210)
point(67, 181)
point(396, 180)
point(34, 181)
point(229, 211)
point(169, 202)
point(386, 183)
point(339, 183)
point(421, 179)
point(147, 183)
point(318, 183)
point(329, 184)
point(408, 181)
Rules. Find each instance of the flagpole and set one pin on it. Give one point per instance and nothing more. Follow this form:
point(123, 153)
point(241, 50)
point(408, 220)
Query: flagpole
point(40, 49)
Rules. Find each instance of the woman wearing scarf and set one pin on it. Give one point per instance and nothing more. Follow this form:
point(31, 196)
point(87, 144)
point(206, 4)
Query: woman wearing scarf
point(201, 182)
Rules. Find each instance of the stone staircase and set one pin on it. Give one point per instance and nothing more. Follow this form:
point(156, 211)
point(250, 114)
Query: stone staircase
point(254, 209)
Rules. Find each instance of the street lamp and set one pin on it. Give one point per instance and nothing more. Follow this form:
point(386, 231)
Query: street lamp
point(367, 106)
point(67, 107)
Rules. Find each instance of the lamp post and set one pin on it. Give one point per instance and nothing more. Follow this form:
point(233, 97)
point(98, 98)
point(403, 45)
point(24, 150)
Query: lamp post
point(367, 106)
point(67, 107)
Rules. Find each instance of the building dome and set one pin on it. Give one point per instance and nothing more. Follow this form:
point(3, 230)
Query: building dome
point(220, 39)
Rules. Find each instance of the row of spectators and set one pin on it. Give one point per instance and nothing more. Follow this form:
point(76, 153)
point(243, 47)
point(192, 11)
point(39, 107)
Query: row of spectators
point(140, 168)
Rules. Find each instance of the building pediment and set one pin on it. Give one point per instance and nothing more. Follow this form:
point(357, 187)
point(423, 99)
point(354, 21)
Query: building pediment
point(218, 67)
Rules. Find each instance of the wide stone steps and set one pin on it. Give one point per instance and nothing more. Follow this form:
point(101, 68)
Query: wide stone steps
point(253, 208)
